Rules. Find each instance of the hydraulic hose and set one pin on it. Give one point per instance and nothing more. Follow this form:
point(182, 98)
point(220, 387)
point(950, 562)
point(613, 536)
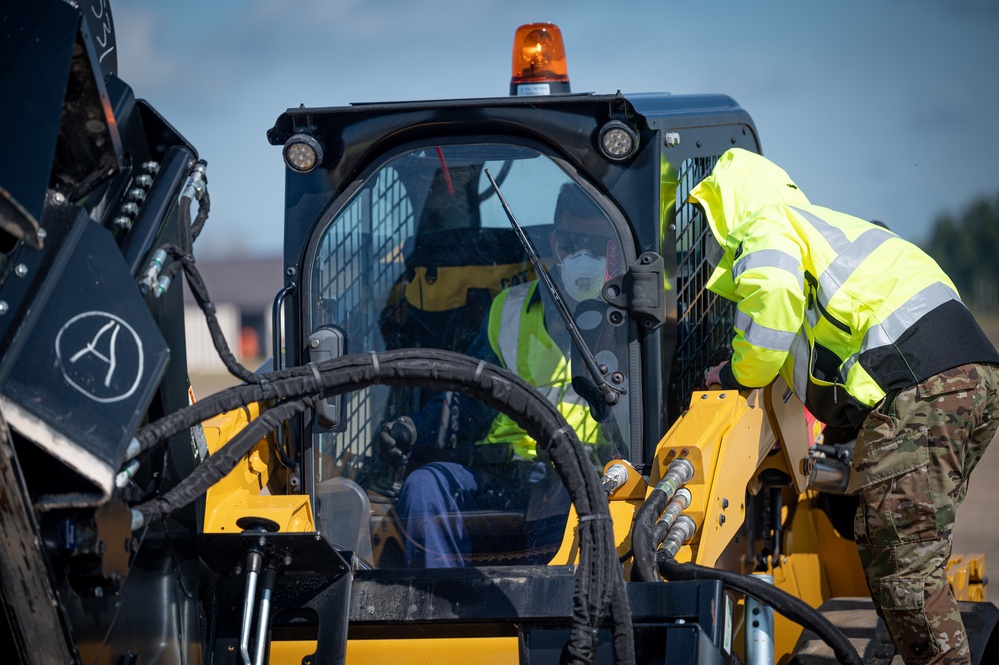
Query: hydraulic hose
point(599, 583)
point(219, 464)
point(791, 607)
point(183, 258)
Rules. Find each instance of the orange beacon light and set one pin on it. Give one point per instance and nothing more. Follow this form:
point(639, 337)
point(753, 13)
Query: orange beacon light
point(539, 61)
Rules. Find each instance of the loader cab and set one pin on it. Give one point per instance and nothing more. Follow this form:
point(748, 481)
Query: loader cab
point(396, 238)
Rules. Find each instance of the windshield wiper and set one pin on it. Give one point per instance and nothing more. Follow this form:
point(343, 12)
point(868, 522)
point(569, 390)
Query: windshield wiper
point(598, 372)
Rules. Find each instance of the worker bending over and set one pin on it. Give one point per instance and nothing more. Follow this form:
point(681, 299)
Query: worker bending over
point(871, 334)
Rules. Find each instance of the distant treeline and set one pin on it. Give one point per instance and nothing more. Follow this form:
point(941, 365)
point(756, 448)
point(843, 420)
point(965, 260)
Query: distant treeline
point(967, 248)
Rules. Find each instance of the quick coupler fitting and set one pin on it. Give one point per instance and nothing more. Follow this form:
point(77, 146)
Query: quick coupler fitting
point(152, 273)
point(196, 183)
point(126, 474)
point(682, 531)
point(162, 284)
point(680, 502)
point(616, 476)
point(678, 474)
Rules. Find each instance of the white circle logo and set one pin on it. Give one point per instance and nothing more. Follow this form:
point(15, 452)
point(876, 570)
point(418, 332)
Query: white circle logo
point(100, 355)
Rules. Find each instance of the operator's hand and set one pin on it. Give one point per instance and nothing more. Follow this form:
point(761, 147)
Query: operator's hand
point(396, 439)
point(713, 378)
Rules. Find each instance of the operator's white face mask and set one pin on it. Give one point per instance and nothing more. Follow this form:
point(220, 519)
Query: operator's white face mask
point(583, 275)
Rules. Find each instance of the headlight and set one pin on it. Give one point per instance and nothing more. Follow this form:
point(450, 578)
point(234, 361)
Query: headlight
point(617, 141)
point(302, 153)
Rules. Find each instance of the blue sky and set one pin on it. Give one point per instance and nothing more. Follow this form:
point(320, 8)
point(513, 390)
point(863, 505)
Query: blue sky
point(885, 109)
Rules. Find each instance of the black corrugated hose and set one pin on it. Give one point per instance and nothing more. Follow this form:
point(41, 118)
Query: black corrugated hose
point(643, 536)
point(183, 258)
point(599, 581)
point(793, 608)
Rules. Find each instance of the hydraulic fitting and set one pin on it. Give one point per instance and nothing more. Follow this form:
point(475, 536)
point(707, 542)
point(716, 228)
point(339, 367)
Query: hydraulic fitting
point(133, 449)
point(678, 474)
point(681, 531)
point(162, 284)
point(828, 475)
point(680, 502)
point(197, 182)
point(125, 475)
point(152, 273)
point(615, 477)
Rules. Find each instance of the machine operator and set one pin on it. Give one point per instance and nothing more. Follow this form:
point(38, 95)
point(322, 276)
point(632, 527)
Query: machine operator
point(523, 333)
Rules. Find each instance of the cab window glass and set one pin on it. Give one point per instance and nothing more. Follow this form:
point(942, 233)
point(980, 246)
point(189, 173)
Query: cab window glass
point(423, 255)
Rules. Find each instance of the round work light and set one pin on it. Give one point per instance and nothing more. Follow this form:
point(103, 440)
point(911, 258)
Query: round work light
point(302, 153)
point(617, 141)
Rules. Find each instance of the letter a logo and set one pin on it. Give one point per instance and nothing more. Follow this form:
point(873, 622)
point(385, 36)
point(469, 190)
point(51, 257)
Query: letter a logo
point(100, 355)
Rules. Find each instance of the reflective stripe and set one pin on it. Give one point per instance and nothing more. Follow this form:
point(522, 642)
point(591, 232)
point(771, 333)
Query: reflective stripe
point(762, 336)
point(902, 319)
point(840, 270)
point(799, 351)
point(770, 258)
point(509, 332)
point(848, 365)
point(812, 316)
point(834, 235)
point(849, 254)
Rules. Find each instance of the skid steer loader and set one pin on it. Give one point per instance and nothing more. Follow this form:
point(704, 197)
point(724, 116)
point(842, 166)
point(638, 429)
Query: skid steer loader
point(268, 522)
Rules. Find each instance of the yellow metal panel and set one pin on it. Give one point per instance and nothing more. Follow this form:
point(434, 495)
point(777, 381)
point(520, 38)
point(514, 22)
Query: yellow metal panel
point(790, 577)
point(966, 573)
point(293, 512)
point(697, 436)
point(725, 511)
point(244, 490)
point(843, 570)
point(786, 416)
point(478, 650)
point(622, 513)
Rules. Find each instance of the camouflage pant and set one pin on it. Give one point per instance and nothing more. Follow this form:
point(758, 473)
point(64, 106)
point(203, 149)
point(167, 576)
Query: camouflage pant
point(913, 458)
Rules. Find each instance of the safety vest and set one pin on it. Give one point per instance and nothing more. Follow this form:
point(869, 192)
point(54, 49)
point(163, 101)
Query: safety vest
point(843, 309)
point(519, 339)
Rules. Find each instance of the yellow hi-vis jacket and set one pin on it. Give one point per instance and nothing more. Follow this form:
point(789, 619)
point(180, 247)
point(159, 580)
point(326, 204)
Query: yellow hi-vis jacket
point(843, 309)
point(518, 337)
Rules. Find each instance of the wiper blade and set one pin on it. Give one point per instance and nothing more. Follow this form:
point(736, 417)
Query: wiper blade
point(610, 394)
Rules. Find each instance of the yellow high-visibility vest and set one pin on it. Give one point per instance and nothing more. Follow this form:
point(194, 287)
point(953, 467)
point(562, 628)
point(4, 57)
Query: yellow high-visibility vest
point(518, 337)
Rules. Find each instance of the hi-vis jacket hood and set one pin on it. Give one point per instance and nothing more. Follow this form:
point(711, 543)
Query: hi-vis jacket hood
point(843, 310)
point(741, 184)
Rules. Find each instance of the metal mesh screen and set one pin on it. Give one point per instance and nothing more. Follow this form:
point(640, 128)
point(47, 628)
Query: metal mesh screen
point(704, 320)
point(358, 262)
